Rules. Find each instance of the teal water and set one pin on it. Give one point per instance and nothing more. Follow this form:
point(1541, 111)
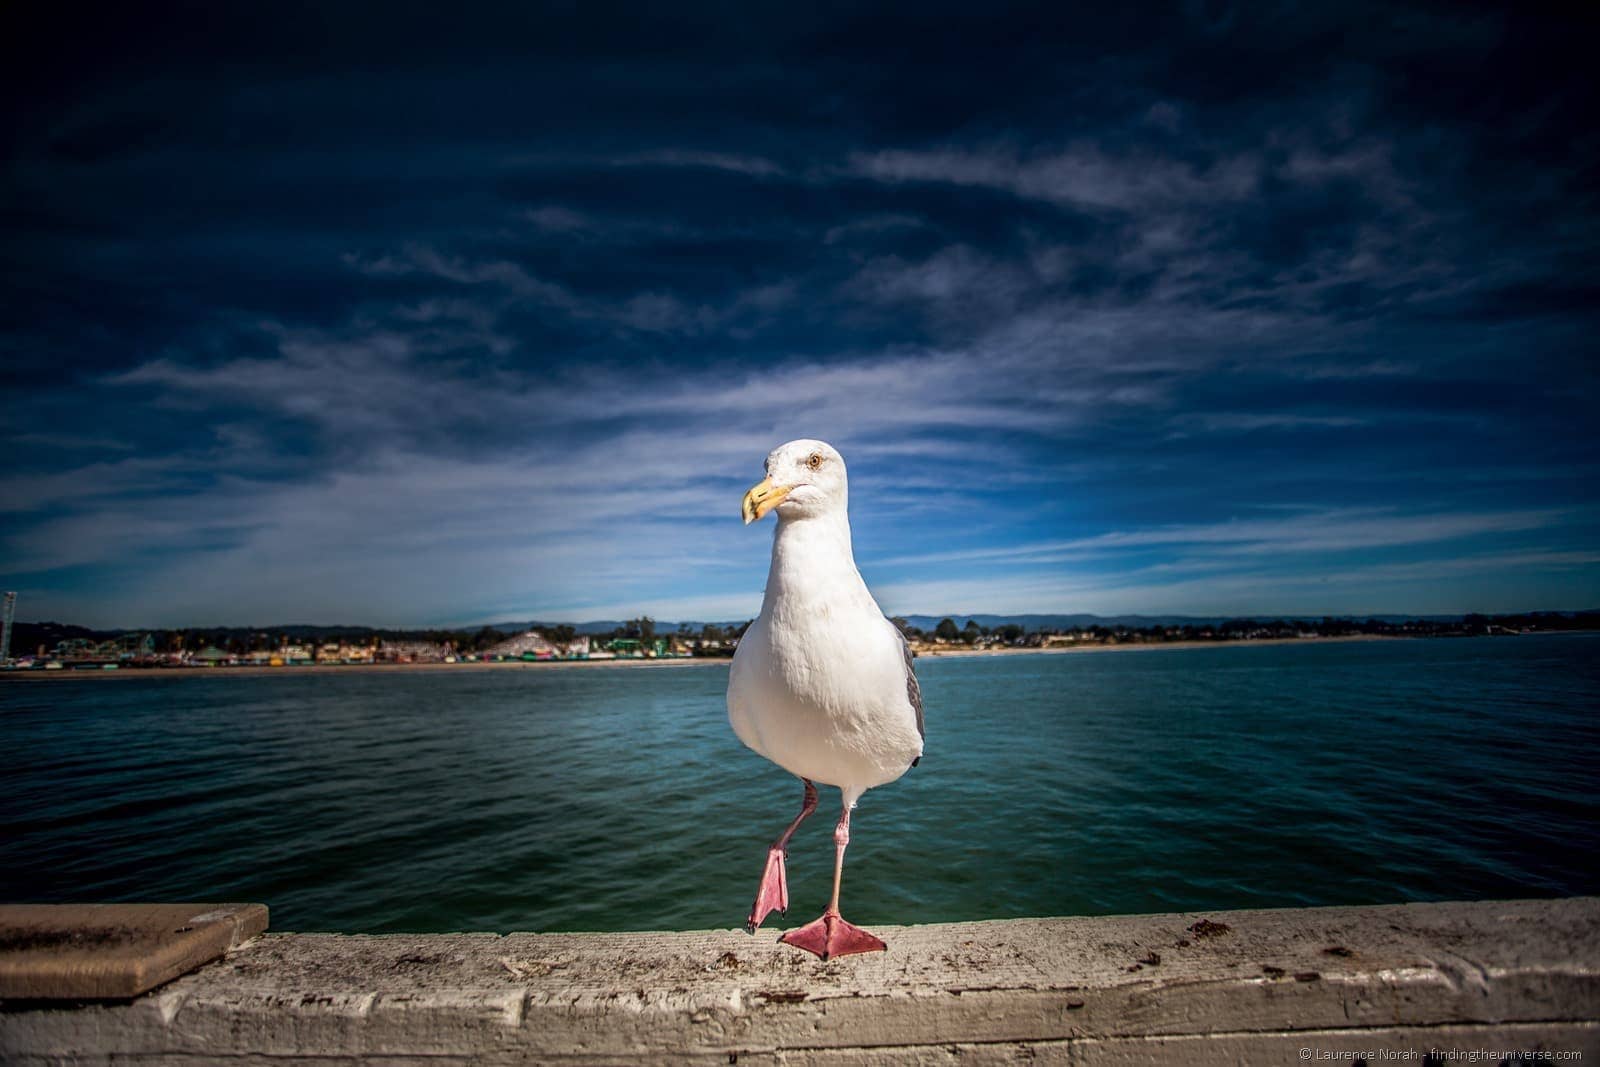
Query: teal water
point(617, 798)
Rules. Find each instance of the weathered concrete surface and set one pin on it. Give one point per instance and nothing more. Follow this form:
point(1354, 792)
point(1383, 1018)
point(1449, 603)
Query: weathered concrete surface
point(1252, 987)
point(114, 950)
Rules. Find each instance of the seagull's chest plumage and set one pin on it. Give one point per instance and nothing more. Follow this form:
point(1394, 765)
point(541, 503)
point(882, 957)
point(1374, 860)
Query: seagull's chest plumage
point(818, 684)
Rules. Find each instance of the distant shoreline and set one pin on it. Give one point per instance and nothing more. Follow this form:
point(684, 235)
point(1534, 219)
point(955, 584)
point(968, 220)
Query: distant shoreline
point(1150, 646)
point(702, 661)
point(303, 670)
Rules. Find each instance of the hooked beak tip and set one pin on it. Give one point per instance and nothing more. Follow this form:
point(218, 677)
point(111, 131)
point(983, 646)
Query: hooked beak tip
point(762, 498)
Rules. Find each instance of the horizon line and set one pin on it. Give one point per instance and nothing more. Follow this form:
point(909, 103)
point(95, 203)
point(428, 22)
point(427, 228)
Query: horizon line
point(532, 622)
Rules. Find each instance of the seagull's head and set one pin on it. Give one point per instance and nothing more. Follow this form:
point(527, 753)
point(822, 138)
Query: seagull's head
point(804, 478)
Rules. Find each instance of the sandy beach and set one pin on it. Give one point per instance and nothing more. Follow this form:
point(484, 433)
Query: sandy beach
point(568, 664)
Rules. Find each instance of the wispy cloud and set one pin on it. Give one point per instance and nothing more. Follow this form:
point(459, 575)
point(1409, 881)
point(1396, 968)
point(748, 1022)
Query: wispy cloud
point(739, 163)
point(1442, 585)
point(1083, 175)
point(1344, 530)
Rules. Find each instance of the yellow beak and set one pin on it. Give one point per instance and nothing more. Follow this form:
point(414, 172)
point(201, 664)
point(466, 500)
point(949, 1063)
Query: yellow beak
point(762, 498)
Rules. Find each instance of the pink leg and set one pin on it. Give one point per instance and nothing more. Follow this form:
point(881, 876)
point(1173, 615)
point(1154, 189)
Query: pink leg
point(830, 935)
point(774, 892)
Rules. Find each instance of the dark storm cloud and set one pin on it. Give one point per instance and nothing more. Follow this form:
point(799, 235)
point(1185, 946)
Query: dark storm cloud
point(353, 292)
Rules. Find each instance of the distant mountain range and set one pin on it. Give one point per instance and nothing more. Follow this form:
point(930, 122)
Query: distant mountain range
point(1080, 621)
point(1084, 621)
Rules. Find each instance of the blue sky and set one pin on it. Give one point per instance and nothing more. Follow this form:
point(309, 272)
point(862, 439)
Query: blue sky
point(362, 316)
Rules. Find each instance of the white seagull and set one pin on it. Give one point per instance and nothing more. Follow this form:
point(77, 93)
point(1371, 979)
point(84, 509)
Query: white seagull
point(821, 683)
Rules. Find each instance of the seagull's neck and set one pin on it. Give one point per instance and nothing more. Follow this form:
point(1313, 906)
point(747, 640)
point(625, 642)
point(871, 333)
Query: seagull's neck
point(812, 561)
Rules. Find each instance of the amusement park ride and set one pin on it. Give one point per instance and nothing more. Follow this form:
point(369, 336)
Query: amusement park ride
point(78, 651)
point(120, 649)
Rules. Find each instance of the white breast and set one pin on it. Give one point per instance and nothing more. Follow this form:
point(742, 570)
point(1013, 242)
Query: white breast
point(825, 698)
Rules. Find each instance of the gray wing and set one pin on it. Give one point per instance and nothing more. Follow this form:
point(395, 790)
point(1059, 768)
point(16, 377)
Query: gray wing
point(913, 690)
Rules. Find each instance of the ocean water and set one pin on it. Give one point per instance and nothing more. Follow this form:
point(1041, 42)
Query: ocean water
point(614, 798)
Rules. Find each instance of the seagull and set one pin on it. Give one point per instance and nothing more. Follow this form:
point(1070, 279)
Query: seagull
point(821, 682)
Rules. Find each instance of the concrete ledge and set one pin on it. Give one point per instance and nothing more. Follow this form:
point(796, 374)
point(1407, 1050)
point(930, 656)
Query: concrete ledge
point(1245, 987)
point(74, 951)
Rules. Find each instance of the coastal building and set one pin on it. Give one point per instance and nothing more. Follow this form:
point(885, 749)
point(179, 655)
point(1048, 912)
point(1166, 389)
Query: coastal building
point(342, 652)
point(656, 648)
point(412, 652)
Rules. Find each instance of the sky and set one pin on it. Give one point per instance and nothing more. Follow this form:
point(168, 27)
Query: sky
point(401, 314)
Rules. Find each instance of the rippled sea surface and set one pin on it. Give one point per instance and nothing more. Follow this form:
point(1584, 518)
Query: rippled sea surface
point(614, 798)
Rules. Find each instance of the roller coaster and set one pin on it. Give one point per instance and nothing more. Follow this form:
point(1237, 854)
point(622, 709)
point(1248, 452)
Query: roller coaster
point(124, 648)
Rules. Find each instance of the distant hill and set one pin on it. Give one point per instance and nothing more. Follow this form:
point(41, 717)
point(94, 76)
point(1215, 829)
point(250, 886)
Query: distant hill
point(27, 637)
point(598, 626)
point(1085, 621)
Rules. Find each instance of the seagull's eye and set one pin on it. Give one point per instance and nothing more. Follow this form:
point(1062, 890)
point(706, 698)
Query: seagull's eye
point(814, 461)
